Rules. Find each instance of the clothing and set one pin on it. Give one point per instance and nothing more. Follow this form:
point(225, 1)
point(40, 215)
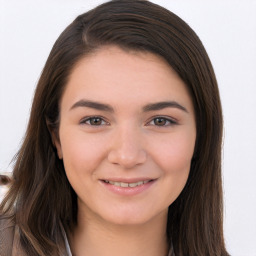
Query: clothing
point(10, 242)
point(67, 244)
point(9, 245)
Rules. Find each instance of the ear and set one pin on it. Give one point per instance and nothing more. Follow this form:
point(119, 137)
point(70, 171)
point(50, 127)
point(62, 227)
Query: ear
point(55, 138)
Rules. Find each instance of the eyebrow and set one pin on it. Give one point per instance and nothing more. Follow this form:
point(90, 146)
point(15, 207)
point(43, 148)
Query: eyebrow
point(93, 104)
point(162, 105)
point(146, 108)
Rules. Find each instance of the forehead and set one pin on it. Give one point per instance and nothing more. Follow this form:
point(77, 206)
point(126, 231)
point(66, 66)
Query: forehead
point(116, 76)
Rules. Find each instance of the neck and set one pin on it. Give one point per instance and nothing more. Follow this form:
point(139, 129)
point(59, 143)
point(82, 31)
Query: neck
point(103, 238)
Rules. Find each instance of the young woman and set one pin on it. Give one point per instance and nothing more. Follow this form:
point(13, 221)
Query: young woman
point(122, 153)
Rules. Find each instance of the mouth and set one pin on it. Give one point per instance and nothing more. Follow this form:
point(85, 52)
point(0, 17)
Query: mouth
point(128, 187)
point(127, 184)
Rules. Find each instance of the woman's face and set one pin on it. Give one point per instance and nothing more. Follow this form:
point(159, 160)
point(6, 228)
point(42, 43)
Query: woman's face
point(127, 135)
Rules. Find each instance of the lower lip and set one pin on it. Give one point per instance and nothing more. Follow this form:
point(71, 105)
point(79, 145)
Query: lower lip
point(128, 191)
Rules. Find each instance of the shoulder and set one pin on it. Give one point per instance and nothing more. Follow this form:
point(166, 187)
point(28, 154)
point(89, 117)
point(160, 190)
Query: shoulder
point(7, 230)
point(9, 238)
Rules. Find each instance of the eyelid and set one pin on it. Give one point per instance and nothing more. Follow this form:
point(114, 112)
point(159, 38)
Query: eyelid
point(88, 118)
point(171, 120)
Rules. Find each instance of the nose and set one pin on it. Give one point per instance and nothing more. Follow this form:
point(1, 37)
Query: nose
point(126, 149)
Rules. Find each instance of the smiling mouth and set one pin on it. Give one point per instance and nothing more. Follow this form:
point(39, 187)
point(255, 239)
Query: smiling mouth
point(125, 184)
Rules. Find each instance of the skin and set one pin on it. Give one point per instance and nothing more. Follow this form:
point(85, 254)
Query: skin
point(124, 142)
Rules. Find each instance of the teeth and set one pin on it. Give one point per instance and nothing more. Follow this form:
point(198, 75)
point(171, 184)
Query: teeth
point(132, 185)
point(126, 185)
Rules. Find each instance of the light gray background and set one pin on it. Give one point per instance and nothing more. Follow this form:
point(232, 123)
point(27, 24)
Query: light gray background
point(227, 28)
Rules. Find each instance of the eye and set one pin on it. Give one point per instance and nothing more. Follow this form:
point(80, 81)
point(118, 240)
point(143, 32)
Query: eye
point(94, 121)
point(162, 121)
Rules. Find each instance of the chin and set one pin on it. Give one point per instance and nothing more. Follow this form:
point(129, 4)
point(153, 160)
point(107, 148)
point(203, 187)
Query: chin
point(133, 218)
point(127, 220)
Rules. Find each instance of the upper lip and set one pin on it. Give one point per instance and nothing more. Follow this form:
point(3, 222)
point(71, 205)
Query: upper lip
point(128, 180)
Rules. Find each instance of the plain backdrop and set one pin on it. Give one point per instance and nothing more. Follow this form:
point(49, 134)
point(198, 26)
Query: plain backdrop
point(28, 29)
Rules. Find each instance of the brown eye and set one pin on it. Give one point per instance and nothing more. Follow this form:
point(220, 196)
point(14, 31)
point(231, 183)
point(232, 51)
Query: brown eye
point(162, 122)
point(94, 121)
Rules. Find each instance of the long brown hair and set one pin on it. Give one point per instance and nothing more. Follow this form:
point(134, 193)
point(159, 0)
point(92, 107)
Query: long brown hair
point(41, 200)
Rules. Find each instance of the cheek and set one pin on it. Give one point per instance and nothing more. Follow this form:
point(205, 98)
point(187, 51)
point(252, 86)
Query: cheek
point(81, 153)
point(175, 153)
point(174, 159)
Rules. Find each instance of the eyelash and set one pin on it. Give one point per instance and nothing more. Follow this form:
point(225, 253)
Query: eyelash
point(89, 119)
point(167, 121)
